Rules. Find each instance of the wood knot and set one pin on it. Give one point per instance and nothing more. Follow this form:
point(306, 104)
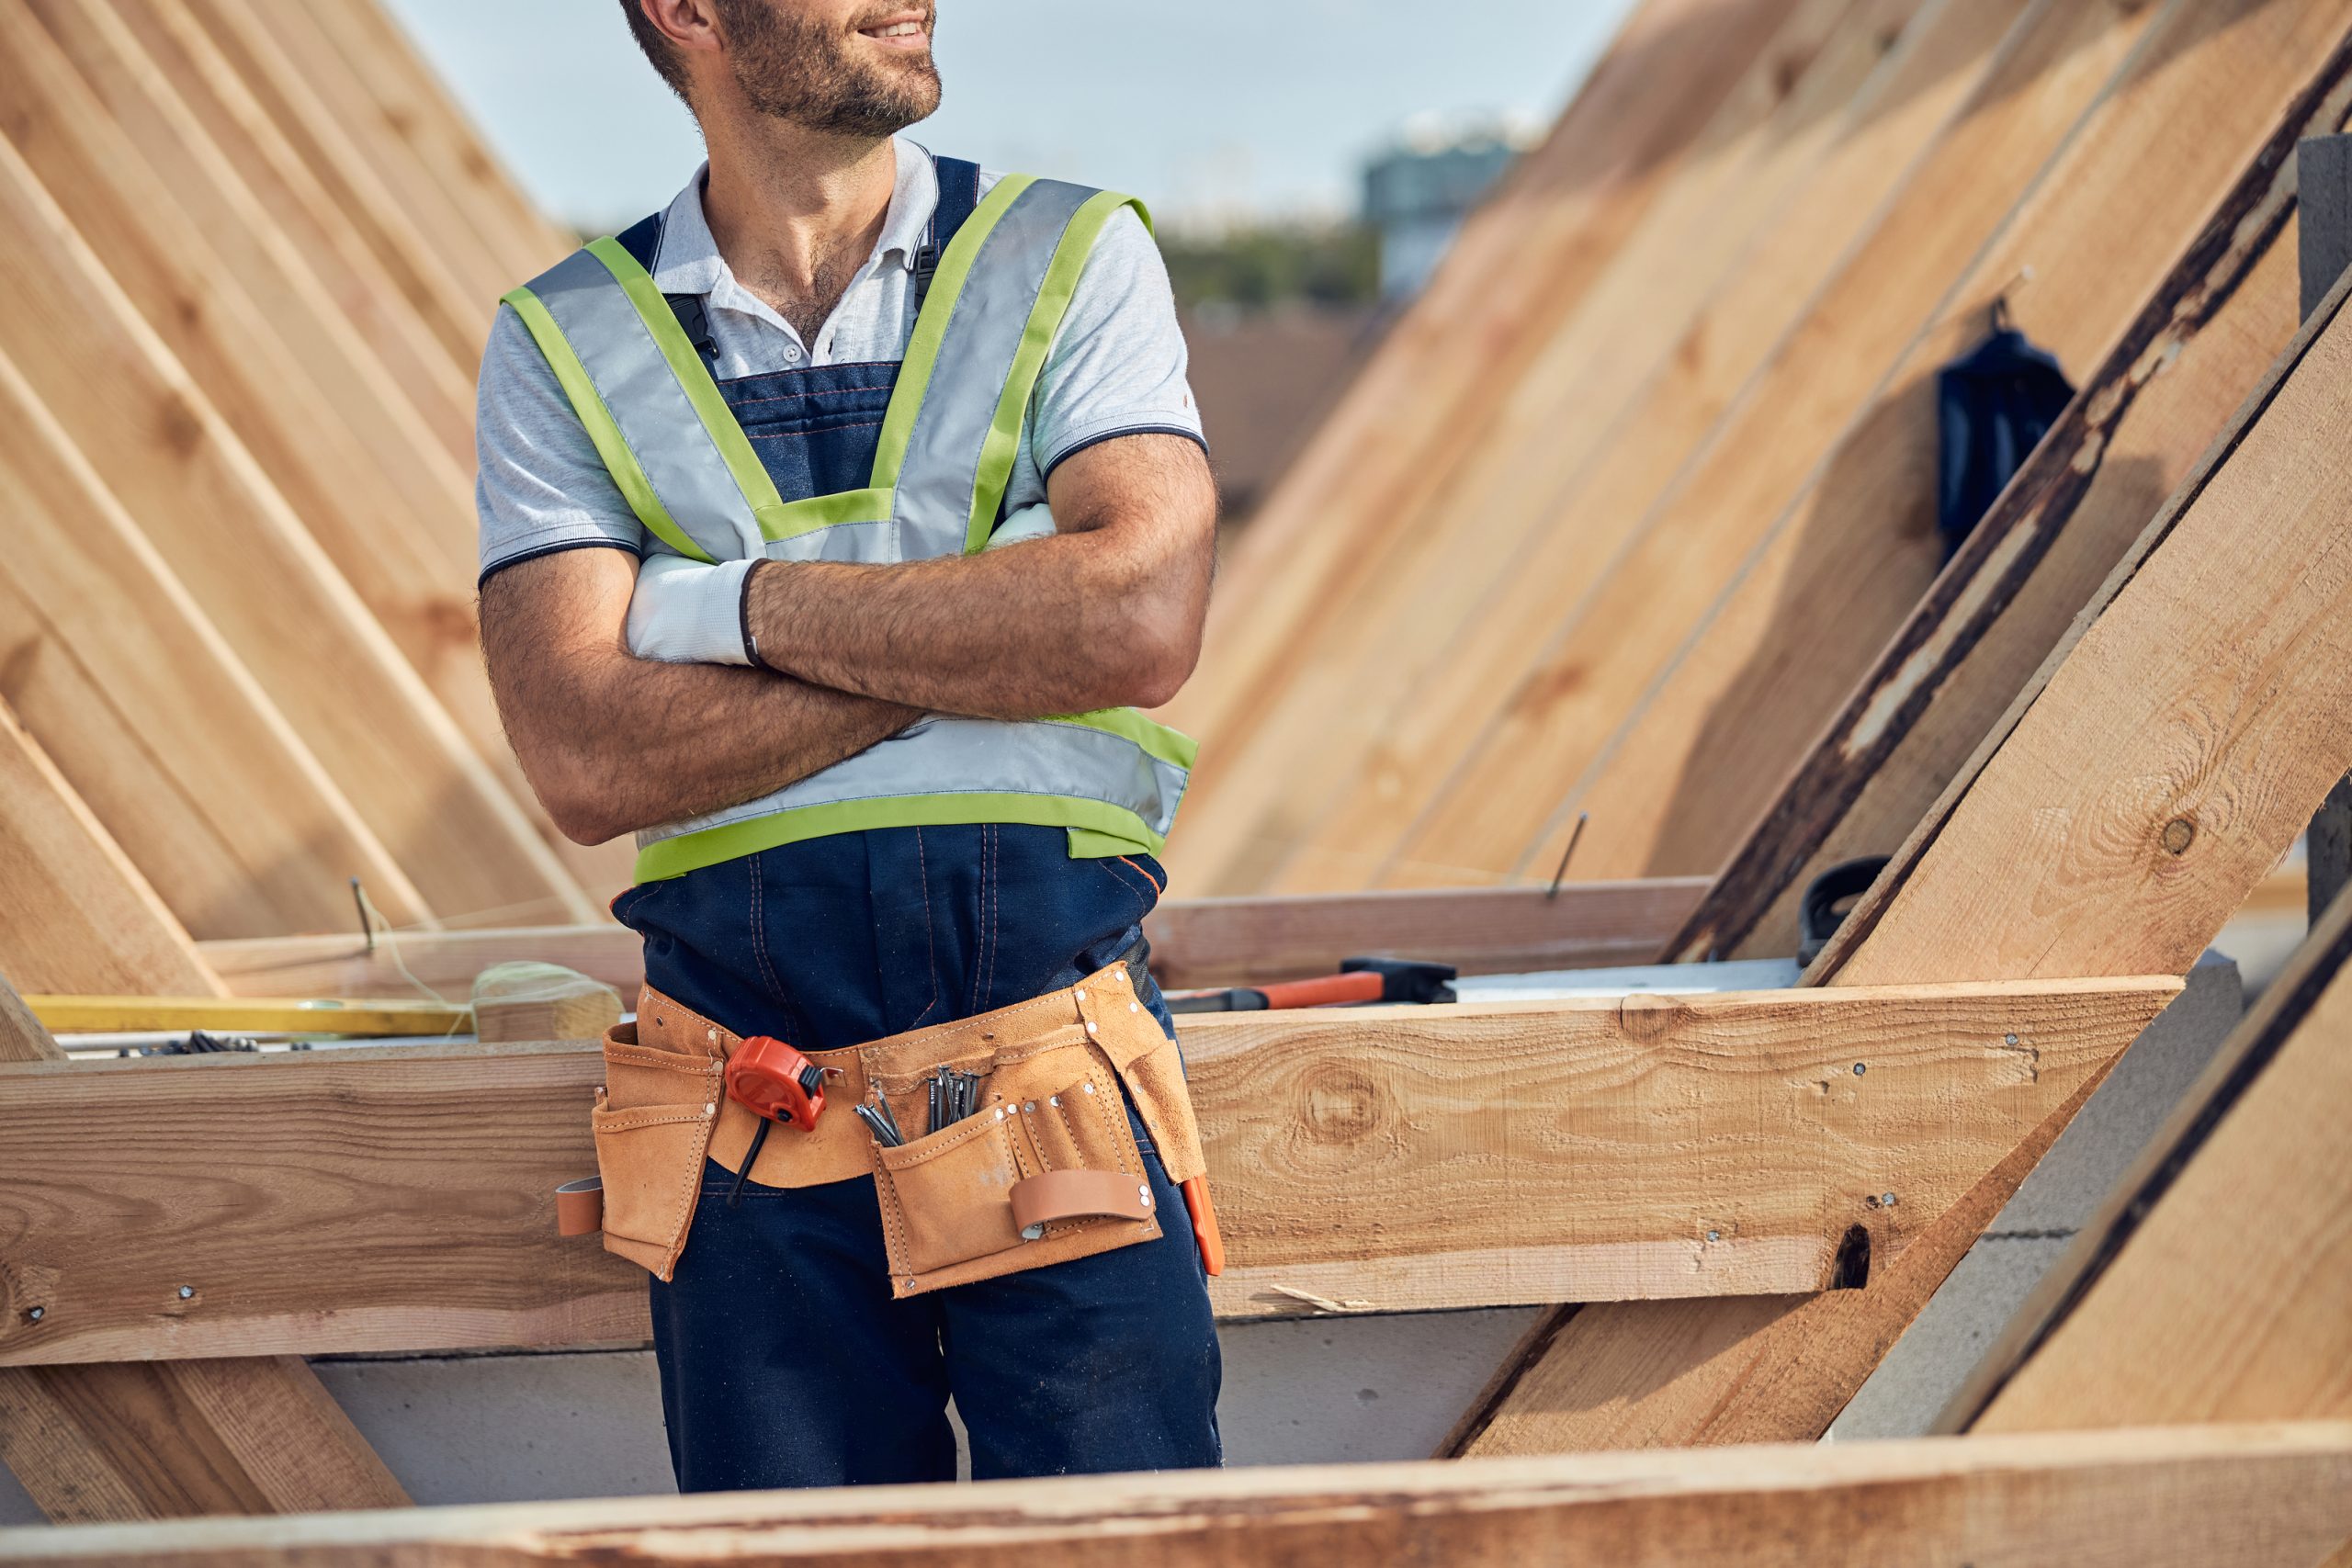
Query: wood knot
point(1343, 1105)
point(2179, 834)
point(1646, 1019)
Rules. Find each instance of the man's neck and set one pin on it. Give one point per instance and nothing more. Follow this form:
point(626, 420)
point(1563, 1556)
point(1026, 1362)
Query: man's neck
point(794, 212)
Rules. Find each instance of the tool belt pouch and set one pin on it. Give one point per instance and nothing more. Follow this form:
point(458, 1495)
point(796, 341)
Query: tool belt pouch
point(1047, 1169)
point(654, 1121)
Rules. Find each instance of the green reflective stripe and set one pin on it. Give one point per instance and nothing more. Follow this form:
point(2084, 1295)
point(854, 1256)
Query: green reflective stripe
point(788, 519)
point(1157, 740)
point(1085, 843)
point(597, 420)
point(930, 328)
point(711, 846)
point(1004, 443)
point(694, 377)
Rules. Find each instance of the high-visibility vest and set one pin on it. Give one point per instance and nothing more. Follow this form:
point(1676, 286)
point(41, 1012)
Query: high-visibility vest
point(943, 457)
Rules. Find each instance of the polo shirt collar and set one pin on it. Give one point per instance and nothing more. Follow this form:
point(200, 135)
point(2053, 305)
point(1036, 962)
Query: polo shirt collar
point(688, 261)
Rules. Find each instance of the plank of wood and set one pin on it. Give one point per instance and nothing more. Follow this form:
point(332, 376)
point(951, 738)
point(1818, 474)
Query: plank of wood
point(77, 913)
point(258, 575)
point(1194, 941)
point(158, 1440)
point(409, 110)
point(2174, 744)
point(444, 962)
point(1519, 266)
point(152, 718)
point(2232, 722)
point(423, 450)
point(1706, 1373)
point(2275, 1497)
point(88, 1013)
point(412, 348)
point(2062, 84)
point(2207, 336)
point(1588, 925)
point(2212, 1285)
point(1662, 421)
point(458, 293)
point(1837, 575)
point(1264, 782)
point(1384, 1159)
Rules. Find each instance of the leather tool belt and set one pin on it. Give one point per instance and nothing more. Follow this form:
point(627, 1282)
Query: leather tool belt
point(1046, 1170)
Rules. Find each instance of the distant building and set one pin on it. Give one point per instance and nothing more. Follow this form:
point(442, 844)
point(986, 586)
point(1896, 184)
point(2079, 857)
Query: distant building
point(1416, 194)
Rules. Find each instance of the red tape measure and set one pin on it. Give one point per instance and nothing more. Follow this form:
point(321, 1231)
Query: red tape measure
point(775, 1082)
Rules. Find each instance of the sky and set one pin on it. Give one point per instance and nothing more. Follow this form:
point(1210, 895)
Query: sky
point(1210, 110)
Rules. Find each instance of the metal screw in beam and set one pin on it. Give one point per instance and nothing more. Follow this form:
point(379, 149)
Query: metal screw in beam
point(188, 1293)
point(34, 1314)
point(1860, 1068)
point(1714, 1235)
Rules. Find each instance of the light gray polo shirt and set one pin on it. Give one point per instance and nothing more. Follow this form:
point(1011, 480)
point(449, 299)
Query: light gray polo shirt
point(1116, 369)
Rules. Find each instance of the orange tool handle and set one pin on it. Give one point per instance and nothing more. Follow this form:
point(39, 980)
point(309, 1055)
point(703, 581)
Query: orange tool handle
point(1196, 1201)
point(1362, 987)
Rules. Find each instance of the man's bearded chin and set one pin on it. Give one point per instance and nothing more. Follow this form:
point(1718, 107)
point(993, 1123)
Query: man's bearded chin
point(805, 73)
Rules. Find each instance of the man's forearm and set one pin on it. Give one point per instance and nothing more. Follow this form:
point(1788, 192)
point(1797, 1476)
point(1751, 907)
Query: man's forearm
point(613, 743)
point(1104, 613)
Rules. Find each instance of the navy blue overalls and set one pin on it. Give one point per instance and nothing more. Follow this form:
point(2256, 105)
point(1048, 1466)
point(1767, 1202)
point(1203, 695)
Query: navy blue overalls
point(784, 1359)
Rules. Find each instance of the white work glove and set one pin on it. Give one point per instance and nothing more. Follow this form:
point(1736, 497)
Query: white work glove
point(691, 612)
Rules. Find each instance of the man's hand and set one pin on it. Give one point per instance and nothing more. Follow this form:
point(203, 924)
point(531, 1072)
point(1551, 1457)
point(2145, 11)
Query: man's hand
point(1105, 613)
point(614, 743)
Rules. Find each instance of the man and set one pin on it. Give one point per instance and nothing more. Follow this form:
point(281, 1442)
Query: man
point(809, 394)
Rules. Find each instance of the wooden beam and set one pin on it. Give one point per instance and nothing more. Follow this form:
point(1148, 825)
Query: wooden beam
point(408, 110)
point(2160, 762)
point(1424, 553)
point(154, 720)
point(1578, 520)
point(1362, 1158)
point(1201, 942)
point(2212, 1284)
point(2206, 338)
point(1194, 941)
point(445, 962)
point(260, 577)
point(1517, 266)
point(2172, 746)
point(158, 56)
point(77, 912)
point(2203, 1497)
point(160, 1439)
point(1847, 387)
point(1836, 576)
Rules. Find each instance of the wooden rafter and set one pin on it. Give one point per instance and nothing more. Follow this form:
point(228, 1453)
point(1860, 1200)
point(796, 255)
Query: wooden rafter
point(2215, 658)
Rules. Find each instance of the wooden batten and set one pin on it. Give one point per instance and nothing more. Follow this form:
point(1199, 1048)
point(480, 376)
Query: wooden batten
point(2202, 1497)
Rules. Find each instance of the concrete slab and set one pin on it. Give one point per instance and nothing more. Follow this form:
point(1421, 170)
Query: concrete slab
point(515, 1428)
